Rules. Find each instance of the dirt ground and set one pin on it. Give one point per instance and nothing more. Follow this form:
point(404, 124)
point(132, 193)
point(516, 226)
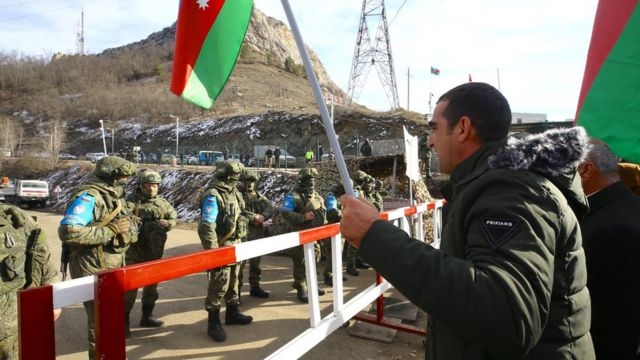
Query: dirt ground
point(277, 320)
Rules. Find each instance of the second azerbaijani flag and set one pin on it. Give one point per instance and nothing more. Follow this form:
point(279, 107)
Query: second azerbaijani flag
point(209, 35)
point(609, 104)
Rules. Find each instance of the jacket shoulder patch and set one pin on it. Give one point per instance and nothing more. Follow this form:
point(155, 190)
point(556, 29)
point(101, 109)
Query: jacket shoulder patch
point(499, 231)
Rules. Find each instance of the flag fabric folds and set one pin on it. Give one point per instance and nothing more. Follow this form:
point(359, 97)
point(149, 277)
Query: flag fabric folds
point(435, 71)
point(209, 35)
point(609, 105)
point(411, 155)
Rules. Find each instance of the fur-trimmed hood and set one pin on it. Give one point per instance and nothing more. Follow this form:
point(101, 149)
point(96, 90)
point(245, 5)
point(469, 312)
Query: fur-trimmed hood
point(554, 154)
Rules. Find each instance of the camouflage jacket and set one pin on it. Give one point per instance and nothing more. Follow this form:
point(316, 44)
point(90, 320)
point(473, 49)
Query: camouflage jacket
point(94, 247)
point(25, 261)
point(303, 203)
point(256, 204)
point(230, 206)
point(373, 197)
point(152, 236)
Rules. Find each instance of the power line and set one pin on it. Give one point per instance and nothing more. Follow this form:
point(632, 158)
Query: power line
point(48, 11)
point(19, 4)
point(397, 12)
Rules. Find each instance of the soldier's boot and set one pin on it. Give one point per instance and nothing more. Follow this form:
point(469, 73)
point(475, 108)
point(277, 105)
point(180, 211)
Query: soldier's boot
point(147, 319)
point(257, 291)
point(351, 270)
point(361, 264)
point(127, 328)
point(214, 327)
point(303, 295)
point(233, 316)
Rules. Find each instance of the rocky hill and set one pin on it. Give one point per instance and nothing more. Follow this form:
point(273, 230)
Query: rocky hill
point(58, 103)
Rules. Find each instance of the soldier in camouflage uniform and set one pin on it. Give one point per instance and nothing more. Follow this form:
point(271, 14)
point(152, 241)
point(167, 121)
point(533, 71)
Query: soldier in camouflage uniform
point(303, 208)
point(221, 207)
point(158, 217)
point(25, 261)
point(334, 215)
point(258, 210)
point(365, 185)
point(98, 227)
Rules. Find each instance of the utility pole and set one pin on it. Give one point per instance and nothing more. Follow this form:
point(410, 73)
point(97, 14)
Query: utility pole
point(408, 81)
point(376, 52)
point(80, 34)
point(177, 132)
point(104, 142)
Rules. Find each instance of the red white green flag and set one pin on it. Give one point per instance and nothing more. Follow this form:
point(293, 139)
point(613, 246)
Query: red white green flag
point(609, 103)
point(209, 35)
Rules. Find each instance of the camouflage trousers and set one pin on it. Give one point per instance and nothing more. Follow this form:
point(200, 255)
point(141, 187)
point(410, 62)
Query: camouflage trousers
point(149, 297)
point(223, 284)
point(299, 274)
point(149, 293)
point(255, 271)
point(325, 246)
point(8, 326)
point(351, 254)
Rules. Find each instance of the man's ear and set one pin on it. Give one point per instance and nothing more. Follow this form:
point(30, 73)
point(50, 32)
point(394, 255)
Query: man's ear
point(587, 170)
point(464, 130)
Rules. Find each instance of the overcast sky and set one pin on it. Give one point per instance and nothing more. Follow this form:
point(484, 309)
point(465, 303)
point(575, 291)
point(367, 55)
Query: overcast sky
point(533, 50)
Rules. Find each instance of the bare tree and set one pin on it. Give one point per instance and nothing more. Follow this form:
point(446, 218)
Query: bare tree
point(57, 137)
point(10, 134)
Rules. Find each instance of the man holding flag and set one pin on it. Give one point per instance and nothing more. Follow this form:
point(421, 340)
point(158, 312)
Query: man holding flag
point(492, 290)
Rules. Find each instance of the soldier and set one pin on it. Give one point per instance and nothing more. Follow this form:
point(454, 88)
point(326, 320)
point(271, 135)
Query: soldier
point(334, 215)
point(131, 155)
point(98, 227)
point(158, 217)
point(304, 209)
point(221, 206)
point(365, 184)
point(427, 162)
point(25, 261)
point(258, 210)
point(365, 149)
point(269, 157)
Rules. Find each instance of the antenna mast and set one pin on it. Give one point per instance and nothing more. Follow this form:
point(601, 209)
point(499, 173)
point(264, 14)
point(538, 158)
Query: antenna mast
point(80, 34)
point(373, 52)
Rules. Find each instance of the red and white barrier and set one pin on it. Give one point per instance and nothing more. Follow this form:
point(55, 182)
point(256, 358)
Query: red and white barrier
point(37, 322)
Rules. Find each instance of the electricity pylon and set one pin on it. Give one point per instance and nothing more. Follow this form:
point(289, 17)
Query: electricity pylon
point(374, 51)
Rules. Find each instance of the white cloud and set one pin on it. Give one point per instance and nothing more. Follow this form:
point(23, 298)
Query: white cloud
point(539, 46)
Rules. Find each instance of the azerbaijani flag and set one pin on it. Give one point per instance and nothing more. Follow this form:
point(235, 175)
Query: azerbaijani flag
point(209, 35)
point(609, 102)
point(435, 71)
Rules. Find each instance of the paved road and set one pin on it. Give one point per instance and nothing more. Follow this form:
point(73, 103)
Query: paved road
point(277, 320)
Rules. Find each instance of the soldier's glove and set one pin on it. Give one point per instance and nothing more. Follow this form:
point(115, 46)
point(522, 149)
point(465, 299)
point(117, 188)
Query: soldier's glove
point(17, 217)
point(119, 226)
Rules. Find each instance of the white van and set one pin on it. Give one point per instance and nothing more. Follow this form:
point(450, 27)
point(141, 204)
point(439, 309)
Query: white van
point(30, 192)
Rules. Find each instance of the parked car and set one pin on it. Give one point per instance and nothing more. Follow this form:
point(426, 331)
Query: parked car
point(93, 157)
point(167, 159)
point(207, 157)
point(189, 159)
point(67, 157)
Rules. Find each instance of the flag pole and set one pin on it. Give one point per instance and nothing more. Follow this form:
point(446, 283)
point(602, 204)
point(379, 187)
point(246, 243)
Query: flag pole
point(317, 93)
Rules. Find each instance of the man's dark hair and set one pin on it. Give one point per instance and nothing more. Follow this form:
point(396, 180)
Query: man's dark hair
point(487, 108)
